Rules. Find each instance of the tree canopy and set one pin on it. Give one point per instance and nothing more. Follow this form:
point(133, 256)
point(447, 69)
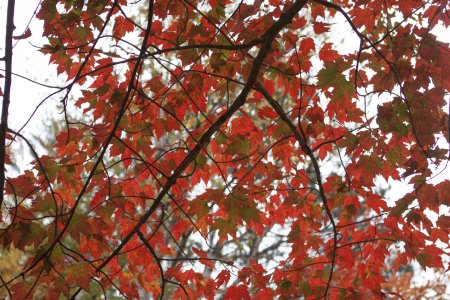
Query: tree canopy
point(230, 148)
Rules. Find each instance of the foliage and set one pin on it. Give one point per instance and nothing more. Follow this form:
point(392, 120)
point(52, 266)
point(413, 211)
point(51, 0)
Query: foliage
point(10, 261)
point(233, 148)
point(401, 286)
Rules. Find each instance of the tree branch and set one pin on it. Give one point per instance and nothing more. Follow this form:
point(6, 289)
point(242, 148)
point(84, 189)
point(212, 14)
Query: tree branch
point(301, 138)
point(6, 94)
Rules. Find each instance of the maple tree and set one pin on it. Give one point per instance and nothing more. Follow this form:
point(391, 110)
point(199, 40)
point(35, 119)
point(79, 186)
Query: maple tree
point(231, 148)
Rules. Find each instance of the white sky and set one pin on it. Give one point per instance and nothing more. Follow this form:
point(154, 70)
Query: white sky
point(26, 95)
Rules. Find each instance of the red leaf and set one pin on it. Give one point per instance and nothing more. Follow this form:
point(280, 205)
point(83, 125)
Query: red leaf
point(320, 27)
point(352, 200)
point(222, 278)
point(122, 26)
point(444, 222)
point(202, 254)
point(24, 35)
point(306, 45)
point(327, 54)
point(239, 292)
point(376, 202)
point(267, 112)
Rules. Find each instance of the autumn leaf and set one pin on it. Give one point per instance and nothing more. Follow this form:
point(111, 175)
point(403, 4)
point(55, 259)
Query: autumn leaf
point(26, 34)
point(306, 45)
point(122, 26)
point(237, 293)
point(204, 255)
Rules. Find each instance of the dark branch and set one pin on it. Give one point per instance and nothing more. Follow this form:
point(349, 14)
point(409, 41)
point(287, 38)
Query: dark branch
point(6, 94)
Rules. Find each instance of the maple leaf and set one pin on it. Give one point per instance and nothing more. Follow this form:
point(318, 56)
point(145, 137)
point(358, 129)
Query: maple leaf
point(326, 54)
point(203, 254)
point(320, 27)
point(306, 45)
point(122, 26)
point(238, 292)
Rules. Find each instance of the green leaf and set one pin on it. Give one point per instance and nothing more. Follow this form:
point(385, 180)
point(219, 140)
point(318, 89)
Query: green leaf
point(285, 284)
point(327, 76)
point(239, 144)
point(225, 228)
